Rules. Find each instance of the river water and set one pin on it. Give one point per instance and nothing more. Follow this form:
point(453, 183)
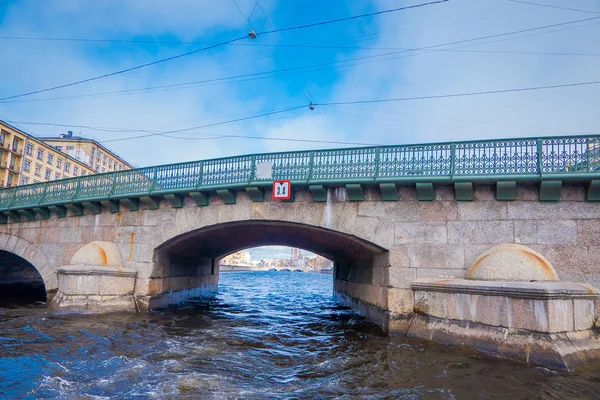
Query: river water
point(264, 335)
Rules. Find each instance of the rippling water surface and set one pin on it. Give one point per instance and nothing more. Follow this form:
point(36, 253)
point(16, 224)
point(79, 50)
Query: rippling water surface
point(263, 335)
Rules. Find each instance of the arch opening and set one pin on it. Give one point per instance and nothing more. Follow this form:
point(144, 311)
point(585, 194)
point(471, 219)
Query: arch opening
point(278, 258)
point(191, 260)
point(20, 281)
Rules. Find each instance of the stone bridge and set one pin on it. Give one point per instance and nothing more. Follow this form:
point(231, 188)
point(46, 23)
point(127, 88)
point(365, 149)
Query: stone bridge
point(386, 216)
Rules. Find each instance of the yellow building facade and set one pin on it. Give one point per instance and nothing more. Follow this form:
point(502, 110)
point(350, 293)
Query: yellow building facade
point(26, 159)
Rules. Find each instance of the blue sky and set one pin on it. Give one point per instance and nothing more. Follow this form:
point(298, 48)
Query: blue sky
point(545, 57)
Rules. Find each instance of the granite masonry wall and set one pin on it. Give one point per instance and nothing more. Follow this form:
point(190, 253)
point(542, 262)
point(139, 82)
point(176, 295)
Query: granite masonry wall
point(420, 239)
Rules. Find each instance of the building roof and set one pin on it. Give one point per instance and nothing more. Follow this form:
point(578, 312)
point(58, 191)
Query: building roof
point(83, 139)
point(29, 136)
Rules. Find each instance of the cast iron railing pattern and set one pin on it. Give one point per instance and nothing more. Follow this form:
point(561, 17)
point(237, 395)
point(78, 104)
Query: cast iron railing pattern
point(567, 158)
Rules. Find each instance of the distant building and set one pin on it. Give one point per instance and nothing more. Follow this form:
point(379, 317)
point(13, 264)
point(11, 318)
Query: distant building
point(241, 258)
point(88, 151)
point(26, 159)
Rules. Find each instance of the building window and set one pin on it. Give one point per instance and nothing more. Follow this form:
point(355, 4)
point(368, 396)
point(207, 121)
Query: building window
point(59, 148)
point(28, 149)
point(58, 163)
point(109, 163)
point(103, 169)
point(24, 180)
point(26, 165)
point(75, 170)
point(38, 169)
point(56, 175)
point(1, 138)
point(104, 160)
point(50, 158)
point(67, 166)
point(47, 175)
point(82, 172)
point(40, 154)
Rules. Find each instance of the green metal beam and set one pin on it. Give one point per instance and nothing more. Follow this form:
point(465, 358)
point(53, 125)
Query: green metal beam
point(200, 198)
point(132, 204)
point(506, 191)
point(550, 190)
point(94, 207)
point(355, 192)
point(111, 205)
point(593, 191)
point(463, 191)
point(175, 200)
point(76, 209)
point(256, 194)
point(425, 191)
point(43, 212)
point(227, 195)
point(28, 214)
point(319, 192)
point(389, 191)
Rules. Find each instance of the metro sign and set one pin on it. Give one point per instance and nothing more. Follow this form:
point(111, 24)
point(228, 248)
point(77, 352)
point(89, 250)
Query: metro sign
point(281, 190)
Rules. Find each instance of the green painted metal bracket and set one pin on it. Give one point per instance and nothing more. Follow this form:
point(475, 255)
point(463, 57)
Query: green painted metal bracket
point(227, 195)
point(132, 204)
point(93, 206)
point(60, 211)
point(463, 191)
point(28, 214)
point(319, 192)
point(593, 191)
point(292, 196)
point(43, 212)
point(389, 191)
point(175, 200)
point(3, 219)
point(256, 194)
point(13, 215)
point(200, 198)
point(425, 191)
point(506, 190)
point(150, 203)
point(355, 192)
point(76, 209)
point(111, 205)
point(550, 190)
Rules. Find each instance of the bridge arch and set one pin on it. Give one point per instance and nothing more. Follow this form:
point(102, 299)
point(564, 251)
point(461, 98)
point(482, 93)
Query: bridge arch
point(187, 264)
point(17, 251)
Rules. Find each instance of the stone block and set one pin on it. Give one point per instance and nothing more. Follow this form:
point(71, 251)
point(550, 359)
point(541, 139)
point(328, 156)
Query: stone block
point(583, 314)
point(557, 232)
point(116, 285)
point(421, 233)
point(572, 192)
point(527, 192)
point(548, 211)
point(435, 256)
point(565, 258)
point(440, 273)
point(481, 210)
point(399, 257)
point(437, 211)
point(484, 192)
point(589, 232)
point(560, 315)
point(400, 211)
point(477, 232)
point(401, 277)
point(431, 303)
point(526, 232)
point(400, 301)
point(545, 316)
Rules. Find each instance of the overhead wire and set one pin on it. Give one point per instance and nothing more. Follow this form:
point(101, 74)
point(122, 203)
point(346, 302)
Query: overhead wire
point(461, 94)
point(429, 48)
point(552, 6)
point(212, 47)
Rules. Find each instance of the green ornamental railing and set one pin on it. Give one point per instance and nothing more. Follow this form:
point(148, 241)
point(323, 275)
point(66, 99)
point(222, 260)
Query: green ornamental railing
point(529, 159)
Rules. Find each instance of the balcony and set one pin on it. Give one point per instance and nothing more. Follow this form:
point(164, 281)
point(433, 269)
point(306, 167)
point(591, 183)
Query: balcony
point(14, 169)
point(3, 165)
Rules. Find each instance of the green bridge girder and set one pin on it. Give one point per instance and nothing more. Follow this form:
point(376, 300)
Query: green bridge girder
point(548, 160)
